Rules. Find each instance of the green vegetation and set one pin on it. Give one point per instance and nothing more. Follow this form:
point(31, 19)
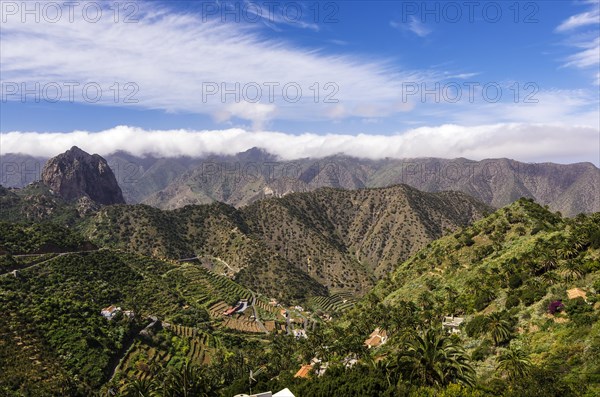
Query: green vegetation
point(40, 238)
point(506, 276)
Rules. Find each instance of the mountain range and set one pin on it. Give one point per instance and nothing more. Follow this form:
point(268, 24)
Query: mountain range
point(246, 177)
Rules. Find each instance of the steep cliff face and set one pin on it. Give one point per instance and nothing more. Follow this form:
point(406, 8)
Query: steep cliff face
point(75, 174)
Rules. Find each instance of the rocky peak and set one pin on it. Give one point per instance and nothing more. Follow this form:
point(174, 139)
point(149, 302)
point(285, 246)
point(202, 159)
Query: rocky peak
point(75, 174)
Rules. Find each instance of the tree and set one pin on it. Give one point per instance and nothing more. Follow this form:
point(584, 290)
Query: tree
point(514, 363)
point(498, 328)
point(189, 381)
point(549, 278)
point(571, 270)
point(140, 388)
point(547, 260)
point(434, 358)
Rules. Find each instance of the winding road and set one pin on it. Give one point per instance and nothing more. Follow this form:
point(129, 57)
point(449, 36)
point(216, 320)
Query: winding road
point(32, 265)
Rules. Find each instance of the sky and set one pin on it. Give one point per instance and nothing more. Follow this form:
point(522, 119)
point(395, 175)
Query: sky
point(371, 79)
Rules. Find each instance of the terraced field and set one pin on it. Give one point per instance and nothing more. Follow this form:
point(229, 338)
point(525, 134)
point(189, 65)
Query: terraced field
point(202, 344)
point(333, 303)
point(203, 287)
point(216, 309)
point(238, 322)
point(267, 307)
point(267, 311)
point(242, 324)
point(274, 327)
point(143, 360)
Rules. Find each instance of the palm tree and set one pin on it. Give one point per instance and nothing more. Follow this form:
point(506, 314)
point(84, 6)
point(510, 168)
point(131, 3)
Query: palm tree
point(547, 262)
point(571, 270)
point(498, 328)
point(140, 388)
point(568, 249)
point(189, 381)
point(433, 358)
point(514, 363)
point(549, 278)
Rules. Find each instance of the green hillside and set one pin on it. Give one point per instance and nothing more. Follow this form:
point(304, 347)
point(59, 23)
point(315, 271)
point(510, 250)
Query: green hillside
point(519, 287)
point(297, 246)
point(503, 275)
point(54, 340)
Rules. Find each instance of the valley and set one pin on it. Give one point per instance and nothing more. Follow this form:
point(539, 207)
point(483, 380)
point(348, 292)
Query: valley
point(327, 292)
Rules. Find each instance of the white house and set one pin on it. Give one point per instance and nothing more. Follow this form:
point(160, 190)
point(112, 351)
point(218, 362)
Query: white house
point(109, 312)
point(453, 323)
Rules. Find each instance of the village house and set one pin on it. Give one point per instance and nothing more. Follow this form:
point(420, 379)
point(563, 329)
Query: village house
point(349, 362)
point(304, 371)
point(239, 307)
point(282, 393)
point(110, 311)
point(575, 293)
point(452, 323)
point(300, 333)
point(377, 338)
point(321, 367)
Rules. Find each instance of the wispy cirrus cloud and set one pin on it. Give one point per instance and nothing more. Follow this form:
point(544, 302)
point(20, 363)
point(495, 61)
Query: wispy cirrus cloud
point(413, 25)
point(274, 16)
point(587, 57)
point(590, 17)
point(172, 56)
point(586, 43)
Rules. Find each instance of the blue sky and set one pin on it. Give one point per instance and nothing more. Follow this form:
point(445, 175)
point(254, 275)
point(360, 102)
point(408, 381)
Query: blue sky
point(373, 59)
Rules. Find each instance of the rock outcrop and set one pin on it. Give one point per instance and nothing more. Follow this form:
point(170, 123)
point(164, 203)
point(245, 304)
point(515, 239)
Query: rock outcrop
point(75, 174)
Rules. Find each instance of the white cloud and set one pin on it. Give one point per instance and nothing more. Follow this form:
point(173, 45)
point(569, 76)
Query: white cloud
point(591, 17)
point(413, 25)
point(531, 105)
point(272, 14)
point(587, 43)
point(170, 55)
point(590, 56)
point(521, 141)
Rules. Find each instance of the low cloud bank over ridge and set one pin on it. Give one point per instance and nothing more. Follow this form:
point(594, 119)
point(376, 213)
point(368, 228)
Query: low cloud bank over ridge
point(524, 142)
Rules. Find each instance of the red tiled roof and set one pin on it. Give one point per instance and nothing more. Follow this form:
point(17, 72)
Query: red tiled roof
point(303, 371)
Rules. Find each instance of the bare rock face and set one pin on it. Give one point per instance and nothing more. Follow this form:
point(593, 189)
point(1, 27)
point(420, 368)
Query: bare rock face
point(75, 174)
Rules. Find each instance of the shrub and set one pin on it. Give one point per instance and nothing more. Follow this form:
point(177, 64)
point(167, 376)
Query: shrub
point(482, 351)
point(476, 326)
point(527, 297)
point(580, 312)
point(482, 299)
point(555, 306)
point(512, 301)
point(515, 281)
